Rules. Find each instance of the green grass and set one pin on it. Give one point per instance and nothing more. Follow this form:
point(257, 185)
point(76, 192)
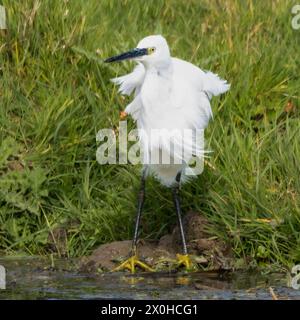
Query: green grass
point(55, 95)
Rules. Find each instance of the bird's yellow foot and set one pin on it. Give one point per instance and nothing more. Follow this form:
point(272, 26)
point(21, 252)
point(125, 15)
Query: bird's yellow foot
point(131, 264)
point(184, 260)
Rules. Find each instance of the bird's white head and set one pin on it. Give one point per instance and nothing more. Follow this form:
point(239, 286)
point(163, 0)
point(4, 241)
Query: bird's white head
point(152, 51)
point(157, 49)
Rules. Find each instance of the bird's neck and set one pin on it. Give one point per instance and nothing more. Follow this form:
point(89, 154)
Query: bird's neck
point(157, 86)
point(163, 68)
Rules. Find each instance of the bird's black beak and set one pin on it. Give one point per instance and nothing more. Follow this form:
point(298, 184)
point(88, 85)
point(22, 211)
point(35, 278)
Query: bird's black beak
point(137, 52)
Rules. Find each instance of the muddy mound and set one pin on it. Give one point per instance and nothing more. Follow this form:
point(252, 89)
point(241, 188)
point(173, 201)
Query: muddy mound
point(205, 250)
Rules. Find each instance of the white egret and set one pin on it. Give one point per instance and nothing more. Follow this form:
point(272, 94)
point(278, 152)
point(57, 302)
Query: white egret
point(170, 94)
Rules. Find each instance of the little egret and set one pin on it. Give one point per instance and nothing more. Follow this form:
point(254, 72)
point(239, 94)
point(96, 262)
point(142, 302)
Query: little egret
point(169, 94)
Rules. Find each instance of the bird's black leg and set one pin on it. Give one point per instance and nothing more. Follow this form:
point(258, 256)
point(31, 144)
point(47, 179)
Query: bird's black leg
point(133, 260)
point(182, 258)
point(141, 200)
point(176, 200)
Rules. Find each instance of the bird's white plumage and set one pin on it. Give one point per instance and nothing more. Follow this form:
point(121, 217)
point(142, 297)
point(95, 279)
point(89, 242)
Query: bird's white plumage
point(170, 94)
point(131, 81)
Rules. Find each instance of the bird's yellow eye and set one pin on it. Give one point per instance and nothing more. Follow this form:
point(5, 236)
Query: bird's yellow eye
point(151, 50)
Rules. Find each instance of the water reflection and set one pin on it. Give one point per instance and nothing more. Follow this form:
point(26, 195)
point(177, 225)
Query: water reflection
point(34, 278)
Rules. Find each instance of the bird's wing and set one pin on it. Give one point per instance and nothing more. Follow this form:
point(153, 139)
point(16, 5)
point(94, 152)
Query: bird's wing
point(198, 88)
point(129, 83)
point(134, 107)
point(132, 81)
point(209, 82)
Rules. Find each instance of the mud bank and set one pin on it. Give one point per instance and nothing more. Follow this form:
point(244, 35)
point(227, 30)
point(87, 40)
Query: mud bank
point(206, 251)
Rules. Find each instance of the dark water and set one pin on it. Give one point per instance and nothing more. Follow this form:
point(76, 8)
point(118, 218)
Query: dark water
point(35, 278)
